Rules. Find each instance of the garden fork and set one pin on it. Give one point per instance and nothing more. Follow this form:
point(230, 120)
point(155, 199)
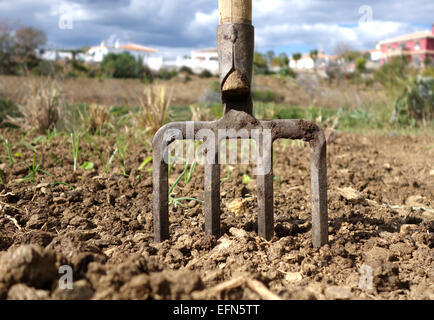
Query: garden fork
point(235, 38)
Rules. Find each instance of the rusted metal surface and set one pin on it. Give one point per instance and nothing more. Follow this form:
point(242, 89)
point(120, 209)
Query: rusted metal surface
point(236, 47)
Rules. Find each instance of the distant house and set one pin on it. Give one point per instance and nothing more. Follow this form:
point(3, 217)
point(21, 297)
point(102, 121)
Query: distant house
point(96, 54)
point(200, 60)
point(307, 63)
point(416, 46)
point(375, 55)
point(373, 58)
point(55, 55)
point(304, 63)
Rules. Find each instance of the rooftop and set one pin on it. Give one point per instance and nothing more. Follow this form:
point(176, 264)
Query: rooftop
point(128, 46)
point(411, 36)
point(209, 50)
point(136, 47)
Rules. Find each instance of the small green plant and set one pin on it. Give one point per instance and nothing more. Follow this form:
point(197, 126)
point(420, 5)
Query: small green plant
point(228, 174)
point(277, 178)
point(2, 177)
point(189, 176)
point(87, 165)
point(122, 147)
point(145, 163)
point(53, 184)
point(34, 169)
point(106, 163)
point(8, 148)
point(75, 143)
point(177, 201)
point(246, 179)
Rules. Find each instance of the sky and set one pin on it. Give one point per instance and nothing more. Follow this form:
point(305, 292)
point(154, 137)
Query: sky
point(175, 27)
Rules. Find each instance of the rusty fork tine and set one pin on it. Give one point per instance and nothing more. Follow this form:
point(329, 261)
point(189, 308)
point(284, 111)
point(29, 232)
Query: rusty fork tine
point(160, 176)
point(212, 192)
point(265, 195)
point(318, 176)
point(160, 193)
point(308, 131)
point(212, 199)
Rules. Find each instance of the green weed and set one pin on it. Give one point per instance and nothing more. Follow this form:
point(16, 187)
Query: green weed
point(62, 183)
point(177, 201)
point(189, 176)
point(228, 174)
point(75, 143)
point(8, 148)
point(145, 163)
point(107, 163)
point(33, 169)
point(122, 146)
point(2, 177)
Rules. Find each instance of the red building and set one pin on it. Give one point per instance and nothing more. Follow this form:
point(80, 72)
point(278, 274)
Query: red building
point(416, 47)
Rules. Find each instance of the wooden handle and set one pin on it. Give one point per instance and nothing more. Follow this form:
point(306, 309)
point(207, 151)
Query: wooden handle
point(235, 11)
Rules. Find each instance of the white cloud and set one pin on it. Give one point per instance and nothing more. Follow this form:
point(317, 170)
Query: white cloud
point(192, 23)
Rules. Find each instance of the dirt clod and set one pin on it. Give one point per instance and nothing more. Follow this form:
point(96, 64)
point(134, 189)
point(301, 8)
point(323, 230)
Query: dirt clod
point(29, 264)
point(103, 229)
point(22, 292)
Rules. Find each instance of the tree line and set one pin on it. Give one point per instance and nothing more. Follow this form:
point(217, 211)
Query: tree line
point(18, 48)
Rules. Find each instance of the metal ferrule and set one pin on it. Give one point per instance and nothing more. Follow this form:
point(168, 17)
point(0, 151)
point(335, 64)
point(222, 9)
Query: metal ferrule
point(235, 43)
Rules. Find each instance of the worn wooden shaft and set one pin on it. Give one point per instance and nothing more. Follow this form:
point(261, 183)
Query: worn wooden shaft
point(235, 11)
point(236, 47)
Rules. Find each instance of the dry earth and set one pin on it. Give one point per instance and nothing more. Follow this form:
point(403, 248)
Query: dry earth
point(381, 220)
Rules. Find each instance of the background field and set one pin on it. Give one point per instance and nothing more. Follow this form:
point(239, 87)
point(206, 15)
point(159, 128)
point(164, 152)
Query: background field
point(76, 185)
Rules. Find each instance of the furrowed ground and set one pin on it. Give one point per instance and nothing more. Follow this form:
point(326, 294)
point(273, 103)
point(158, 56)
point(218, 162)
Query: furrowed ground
point(97, 217)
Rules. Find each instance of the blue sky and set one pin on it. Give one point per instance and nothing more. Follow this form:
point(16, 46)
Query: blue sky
point(177, 26)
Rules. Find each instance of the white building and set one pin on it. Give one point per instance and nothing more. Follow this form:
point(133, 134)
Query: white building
point(201, 60)
point(376, 55)
point(307, 63)
point(96, 54)
point(54, 55)
point(155, 63)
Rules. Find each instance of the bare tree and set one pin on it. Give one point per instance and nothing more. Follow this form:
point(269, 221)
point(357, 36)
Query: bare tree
point(5, 46)
point(314, 54)
point(341, 48)
point(27, 40)
point(296, 56)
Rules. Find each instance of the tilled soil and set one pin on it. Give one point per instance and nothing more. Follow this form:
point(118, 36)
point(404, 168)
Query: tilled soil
point(381, 224)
